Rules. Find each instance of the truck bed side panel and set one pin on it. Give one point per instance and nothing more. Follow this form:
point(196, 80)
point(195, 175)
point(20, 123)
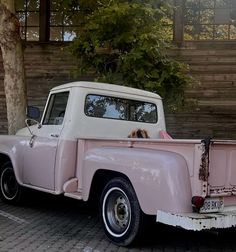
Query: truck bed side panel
point(160, 175)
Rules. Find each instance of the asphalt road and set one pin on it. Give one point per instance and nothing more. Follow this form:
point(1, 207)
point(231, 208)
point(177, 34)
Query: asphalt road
point(50, 223)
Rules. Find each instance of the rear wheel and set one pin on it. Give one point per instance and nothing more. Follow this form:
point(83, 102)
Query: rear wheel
point(120, 212)
point(10, 190)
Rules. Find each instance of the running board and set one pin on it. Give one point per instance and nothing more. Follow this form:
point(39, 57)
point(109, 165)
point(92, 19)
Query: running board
point(71, 186)
point(74, 195)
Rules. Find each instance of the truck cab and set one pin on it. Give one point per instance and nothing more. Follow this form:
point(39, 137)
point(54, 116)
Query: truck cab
point(83, 110)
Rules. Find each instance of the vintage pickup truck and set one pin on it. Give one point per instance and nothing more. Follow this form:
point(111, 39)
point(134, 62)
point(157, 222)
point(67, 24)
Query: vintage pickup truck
point(81, 149)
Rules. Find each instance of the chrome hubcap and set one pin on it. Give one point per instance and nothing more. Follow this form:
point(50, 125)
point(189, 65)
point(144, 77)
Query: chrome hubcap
point(116, 212)
point(121, 212)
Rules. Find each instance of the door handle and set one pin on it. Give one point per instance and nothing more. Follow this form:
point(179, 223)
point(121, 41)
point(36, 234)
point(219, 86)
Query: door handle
point(54, 135)
point(31, 142)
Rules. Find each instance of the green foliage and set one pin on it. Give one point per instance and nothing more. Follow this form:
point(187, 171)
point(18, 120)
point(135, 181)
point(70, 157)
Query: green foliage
point(123, 42)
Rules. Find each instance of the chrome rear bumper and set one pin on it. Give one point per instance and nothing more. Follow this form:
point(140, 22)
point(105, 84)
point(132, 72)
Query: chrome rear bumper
point(196, 221)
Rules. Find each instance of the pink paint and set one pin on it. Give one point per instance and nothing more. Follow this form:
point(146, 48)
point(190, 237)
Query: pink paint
point(164, 135)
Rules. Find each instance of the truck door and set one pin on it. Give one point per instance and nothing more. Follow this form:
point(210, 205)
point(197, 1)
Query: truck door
point(40, 153)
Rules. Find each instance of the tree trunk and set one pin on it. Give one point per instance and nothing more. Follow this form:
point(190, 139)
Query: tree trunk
point(13, 63)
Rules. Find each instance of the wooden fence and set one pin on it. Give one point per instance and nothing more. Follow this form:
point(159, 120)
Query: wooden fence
point(213, 64)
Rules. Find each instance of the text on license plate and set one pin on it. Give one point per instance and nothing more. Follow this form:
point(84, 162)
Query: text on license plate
point(212, 205)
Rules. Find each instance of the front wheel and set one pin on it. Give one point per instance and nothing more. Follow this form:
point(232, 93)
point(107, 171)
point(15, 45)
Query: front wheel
point(10, 190)
point(120, 212)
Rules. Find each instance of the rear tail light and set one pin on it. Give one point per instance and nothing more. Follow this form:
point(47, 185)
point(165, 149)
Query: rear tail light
point(197, 202)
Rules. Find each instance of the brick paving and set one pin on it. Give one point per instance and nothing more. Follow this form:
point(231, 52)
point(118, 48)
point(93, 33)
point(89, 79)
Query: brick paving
point(49, 223)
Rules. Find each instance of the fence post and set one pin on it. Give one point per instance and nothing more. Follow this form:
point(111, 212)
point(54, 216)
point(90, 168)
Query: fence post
point(178, 33)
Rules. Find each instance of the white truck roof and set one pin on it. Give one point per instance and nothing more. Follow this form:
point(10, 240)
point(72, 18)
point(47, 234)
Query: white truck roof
point(106, 127)
point(108, 87)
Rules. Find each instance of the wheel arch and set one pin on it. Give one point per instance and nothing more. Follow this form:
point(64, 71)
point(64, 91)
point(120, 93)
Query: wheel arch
point(4, 158)
point(10, 189)
point(99, 181)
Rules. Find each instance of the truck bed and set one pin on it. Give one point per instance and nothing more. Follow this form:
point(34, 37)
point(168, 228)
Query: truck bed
point(220, 173)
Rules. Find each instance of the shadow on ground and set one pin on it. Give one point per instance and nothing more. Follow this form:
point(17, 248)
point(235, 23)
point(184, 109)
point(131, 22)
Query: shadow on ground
point(157, 238)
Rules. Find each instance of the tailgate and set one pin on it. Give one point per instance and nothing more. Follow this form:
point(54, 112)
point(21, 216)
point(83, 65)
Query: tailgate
point(222, 168)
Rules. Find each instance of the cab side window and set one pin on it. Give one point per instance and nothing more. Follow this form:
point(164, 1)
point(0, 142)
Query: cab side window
point(56, 109)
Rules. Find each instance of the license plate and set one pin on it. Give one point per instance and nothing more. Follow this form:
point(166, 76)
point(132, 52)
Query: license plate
point(212, 205)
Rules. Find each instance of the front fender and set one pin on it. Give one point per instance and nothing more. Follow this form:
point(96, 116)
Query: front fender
point(12, 147)
point(160, 178)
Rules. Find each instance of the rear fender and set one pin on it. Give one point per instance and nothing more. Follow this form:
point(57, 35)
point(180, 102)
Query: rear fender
point(160, 178)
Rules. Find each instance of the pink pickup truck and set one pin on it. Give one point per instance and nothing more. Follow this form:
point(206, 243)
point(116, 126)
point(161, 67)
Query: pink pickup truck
point(81, 149)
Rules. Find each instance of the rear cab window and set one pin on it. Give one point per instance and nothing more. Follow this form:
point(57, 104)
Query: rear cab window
point(120, 109)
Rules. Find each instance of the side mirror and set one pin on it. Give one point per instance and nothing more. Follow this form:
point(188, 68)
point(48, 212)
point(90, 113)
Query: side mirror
point(33, 112)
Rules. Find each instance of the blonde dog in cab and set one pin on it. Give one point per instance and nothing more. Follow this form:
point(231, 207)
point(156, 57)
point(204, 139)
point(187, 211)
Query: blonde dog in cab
point(138, 133)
